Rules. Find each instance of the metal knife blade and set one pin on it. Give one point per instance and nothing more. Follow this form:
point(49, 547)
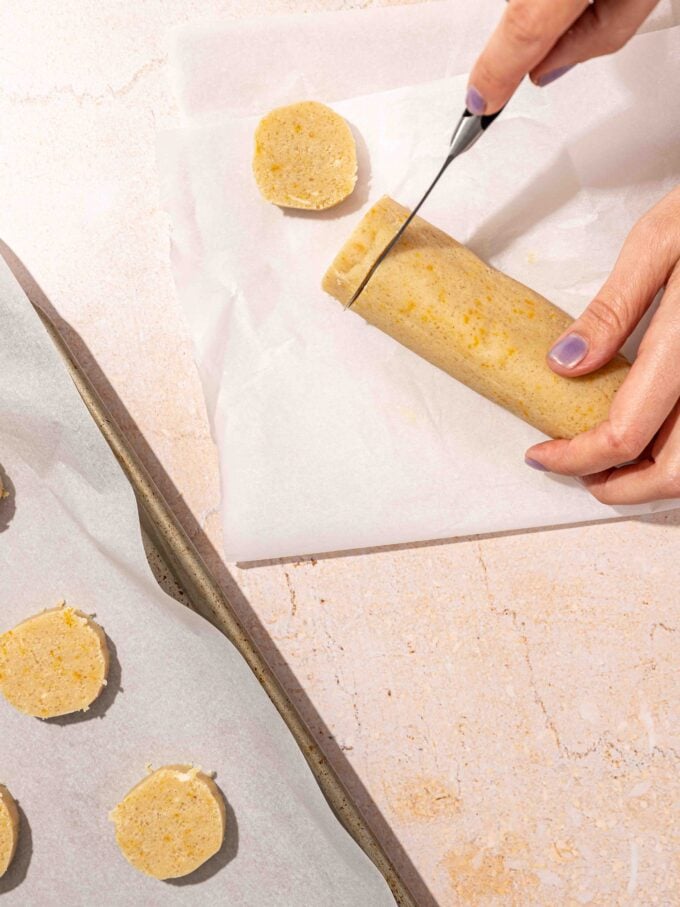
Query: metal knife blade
point(468, 129)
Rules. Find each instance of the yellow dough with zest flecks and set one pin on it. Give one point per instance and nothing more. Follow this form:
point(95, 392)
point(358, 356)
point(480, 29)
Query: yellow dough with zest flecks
point(53, 663)
point(480, 326)
point(9, 829)
point(171, 822)
point(305, 157)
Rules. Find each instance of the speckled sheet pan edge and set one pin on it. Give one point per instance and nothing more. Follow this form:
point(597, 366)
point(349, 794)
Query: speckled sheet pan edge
point(210, 601)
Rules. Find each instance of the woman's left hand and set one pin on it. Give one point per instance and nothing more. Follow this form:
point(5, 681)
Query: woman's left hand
point(643, 428)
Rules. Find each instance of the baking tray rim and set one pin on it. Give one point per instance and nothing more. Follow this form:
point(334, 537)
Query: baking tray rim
point(212, 603)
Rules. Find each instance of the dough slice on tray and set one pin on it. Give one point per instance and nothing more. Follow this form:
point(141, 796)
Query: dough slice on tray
point(9, 829)
point(53, 663)
point(171, 822)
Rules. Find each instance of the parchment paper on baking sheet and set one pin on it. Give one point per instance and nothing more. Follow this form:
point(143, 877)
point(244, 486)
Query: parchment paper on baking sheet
point(178, 690)
point(330, 435)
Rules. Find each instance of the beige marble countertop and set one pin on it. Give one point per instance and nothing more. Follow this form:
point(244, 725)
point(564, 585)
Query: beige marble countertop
point(504, 709)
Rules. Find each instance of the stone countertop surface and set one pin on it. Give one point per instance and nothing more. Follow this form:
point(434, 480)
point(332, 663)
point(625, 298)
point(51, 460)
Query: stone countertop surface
point(504, 709)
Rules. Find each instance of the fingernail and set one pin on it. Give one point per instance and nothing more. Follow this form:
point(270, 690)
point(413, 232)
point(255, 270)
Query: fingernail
point(535, 464)
point(569, 351)
point(474, 102)
point(552, 76)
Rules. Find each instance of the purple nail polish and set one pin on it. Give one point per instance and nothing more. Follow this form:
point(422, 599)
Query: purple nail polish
point(552, 76)
point(474, 102)
point(535, 464)
point(569, 351)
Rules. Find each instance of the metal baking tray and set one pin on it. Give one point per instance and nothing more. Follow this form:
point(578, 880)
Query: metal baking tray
point(209, 600)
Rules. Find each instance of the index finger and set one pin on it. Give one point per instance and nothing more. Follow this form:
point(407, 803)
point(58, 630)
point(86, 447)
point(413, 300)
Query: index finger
point(526, 33)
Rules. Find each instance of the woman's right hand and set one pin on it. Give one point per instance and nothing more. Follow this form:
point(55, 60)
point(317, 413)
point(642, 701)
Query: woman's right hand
point(643, 428)
point(545, 38)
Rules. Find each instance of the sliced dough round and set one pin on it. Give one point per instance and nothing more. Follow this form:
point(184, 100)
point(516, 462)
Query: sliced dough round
point(305, 157)
point(9, 829)
point(171, 822)
point(54, 663)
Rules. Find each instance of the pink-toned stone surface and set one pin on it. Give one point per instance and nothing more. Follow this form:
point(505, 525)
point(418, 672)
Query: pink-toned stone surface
point(505, 709)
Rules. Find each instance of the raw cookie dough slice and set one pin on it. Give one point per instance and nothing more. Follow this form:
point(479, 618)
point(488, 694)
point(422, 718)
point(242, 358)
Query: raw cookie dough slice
point(54, 663)
point(171, 822)
point(9, 829)
point(305, 157)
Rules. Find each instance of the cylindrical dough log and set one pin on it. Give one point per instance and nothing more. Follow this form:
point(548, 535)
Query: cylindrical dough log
point(482, 327)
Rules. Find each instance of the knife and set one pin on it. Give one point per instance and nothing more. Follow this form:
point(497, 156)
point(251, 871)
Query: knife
point(469, 128)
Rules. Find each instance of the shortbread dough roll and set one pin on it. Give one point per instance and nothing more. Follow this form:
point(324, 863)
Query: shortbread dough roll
point(482, 327)
point(9, 829)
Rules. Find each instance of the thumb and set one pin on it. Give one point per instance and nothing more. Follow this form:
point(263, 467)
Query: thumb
point(595, 338)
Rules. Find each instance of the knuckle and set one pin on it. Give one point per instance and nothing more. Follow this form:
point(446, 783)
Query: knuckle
point(623, 31)
point(600, 493)
point(650, 228)
point(489, 79)
point(671, 490)
point(667, 228)
point(612, 39)
point(658, 234)
point(625, 441)
point(673, 282)
point(598, 487)
point(606, 315)
point(660, 228)
point(672, 482)
point(612, 31)
point(671, 202)
point(524, 23)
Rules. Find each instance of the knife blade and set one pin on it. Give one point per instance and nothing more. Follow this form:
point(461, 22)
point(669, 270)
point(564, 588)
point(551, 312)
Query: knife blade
point(468, 130)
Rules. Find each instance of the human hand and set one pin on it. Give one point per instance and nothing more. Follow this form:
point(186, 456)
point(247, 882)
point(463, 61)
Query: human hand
point(545, 38)
point(644, 420)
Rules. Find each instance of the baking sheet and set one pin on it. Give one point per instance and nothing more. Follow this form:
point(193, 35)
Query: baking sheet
point(178, 690)
point(331, 436)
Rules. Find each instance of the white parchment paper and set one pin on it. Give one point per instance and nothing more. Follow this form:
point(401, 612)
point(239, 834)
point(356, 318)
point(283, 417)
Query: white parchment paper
point(178, 691)
point(330, 435)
